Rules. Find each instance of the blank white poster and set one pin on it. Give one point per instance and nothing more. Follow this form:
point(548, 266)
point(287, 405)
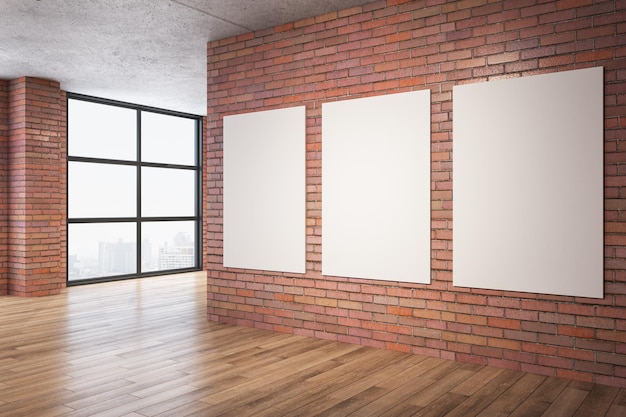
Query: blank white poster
point(528, 184)
point(376, 181)
point(265, 190)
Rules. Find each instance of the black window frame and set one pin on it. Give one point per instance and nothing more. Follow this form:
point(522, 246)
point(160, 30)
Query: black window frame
point(138, 219)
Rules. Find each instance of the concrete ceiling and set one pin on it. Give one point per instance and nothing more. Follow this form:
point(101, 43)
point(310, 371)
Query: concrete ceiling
point(149, 52)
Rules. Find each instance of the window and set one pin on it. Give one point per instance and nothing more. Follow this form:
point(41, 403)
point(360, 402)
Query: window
point(134, 180)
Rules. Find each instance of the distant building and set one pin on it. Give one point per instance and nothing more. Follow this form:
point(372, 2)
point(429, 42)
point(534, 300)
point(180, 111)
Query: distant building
point(147, 263)
point(73, 266)
point(179, 256)
point(117, 258)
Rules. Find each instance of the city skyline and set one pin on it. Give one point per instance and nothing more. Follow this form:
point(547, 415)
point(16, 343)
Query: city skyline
point(119, 257)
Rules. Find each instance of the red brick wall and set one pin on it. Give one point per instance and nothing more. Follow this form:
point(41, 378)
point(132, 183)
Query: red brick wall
point(398, 45)
point(206, 205)
point(37, 187)
point(4, 189)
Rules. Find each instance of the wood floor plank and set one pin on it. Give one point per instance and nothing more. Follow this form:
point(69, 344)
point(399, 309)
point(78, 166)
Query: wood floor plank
point(440, 387)
point(299, 361)
point(96, 407)
point(442, 405)
point(597, 402)
point(353, 377)
point(616, 411)
point(141, 403)
point(282, 392)
point(297, 400)
point(368, 372)
point(427, 368)
point(505, 404)
point(29, 407)
point(276, 372)
point(139, 349)
point(477, 381)
point(541, 398)
point(187, 409)
point(363, 391)
point(322, 406)
point(620, 398)
point(88, 394)
point(353, 360)
point(398, 395)
point(400, 410)
point(54, 411)
point(566, 403)
point(481, 399)
point(185, 405)
point(402, 386)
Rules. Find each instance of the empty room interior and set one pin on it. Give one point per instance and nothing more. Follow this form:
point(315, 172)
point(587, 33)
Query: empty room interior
point(313, 208)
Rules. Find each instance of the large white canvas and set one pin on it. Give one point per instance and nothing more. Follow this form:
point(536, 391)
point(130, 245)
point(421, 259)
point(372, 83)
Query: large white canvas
point(528, 184)
point(264, 190)
point(376, 187)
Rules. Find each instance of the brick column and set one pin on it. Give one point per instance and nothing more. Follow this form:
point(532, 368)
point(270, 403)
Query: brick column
point(4, 186)
point(37, 187)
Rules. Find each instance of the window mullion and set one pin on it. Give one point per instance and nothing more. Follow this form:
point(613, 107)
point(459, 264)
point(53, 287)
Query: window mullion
point(139, 218)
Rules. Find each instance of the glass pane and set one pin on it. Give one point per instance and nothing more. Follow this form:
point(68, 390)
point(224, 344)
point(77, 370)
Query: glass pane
point(167, 245)
point(167, 192)
point(101, 190)
point(168, 139)
point(101, 250)
point(101, 131)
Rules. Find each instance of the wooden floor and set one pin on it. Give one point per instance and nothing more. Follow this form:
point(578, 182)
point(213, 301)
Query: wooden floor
point(144, 348)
